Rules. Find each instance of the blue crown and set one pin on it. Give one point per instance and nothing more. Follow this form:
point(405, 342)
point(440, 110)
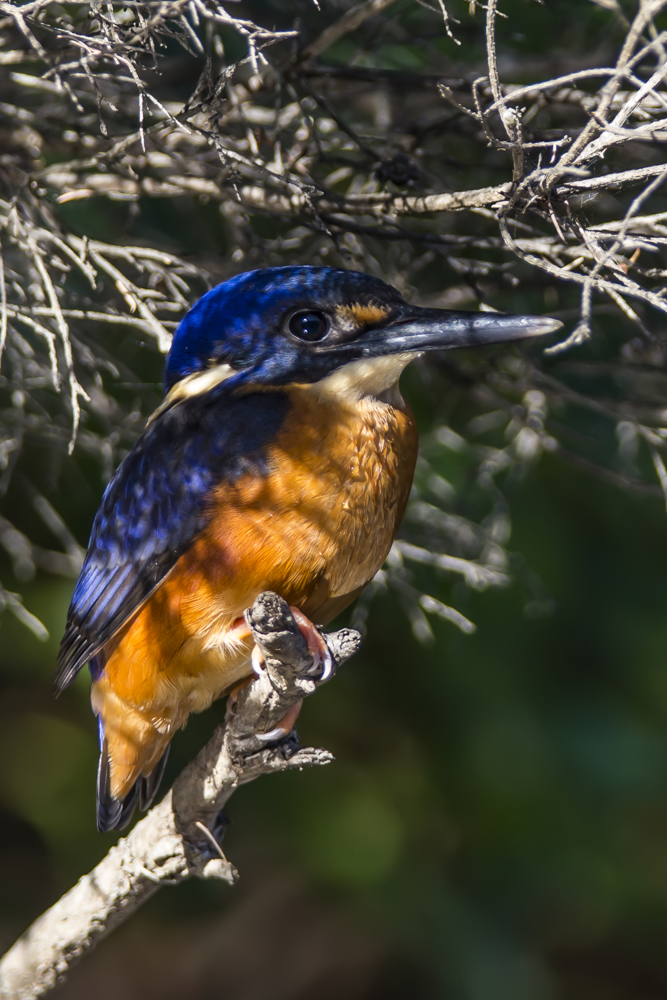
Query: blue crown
point(239, 322)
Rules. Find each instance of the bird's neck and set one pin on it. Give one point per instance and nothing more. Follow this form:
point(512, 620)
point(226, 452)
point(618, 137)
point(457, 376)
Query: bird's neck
point(368, 379)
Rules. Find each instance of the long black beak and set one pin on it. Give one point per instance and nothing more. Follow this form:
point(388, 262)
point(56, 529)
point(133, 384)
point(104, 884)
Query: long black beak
point(420, 329)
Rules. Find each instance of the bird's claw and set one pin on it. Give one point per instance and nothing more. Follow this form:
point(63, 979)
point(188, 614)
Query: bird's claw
point(257, 661)
point(211, 846)
point(321, 654)
point(317, 645)
point(285, 726)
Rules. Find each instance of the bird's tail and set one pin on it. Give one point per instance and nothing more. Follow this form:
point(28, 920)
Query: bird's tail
point(133, 754)
point(115, 813)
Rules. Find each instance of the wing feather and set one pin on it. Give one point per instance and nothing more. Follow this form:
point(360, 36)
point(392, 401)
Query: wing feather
point(156, 505)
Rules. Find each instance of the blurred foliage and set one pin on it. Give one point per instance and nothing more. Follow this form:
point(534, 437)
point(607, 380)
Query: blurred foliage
point(495, 822)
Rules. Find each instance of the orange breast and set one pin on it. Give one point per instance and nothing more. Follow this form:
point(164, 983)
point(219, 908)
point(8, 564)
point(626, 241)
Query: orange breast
point(315, 530)
point(320, 526)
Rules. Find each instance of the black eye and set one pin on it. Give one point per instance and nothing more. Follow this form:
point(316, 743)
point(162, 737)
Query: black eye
point(310, 326)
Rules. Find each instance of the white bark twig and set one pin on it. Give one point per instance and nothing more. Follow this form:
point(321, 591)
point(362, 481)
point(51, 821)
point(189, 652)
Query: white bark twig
point(177, 839)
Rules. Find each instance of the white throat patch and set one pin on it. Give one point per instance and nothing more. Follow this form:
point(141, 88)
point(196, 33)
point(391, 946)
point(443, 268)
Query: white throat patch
point(366, 377)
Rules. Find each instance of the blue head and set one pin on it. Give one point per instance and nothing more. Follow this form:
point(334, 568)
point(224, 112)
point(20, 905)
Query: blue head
point(301, 324)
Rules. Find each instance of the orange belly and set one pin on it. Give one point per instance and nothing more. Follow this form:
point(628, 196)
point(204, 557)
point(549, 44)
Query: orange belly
point(316, 529)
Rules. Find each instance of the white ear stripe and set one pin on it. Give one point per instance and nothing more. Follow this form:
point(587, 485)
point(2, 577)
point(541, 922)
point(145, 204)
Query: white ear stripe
point(193, 385)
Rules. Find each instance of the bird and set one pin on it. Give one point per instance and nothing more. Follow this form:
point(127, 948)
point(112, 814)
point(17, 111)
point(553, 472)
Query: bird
point(280, 459)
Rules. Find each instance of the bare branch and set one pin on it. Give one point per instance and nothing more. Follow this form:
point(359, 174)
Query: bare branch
point(177, 839)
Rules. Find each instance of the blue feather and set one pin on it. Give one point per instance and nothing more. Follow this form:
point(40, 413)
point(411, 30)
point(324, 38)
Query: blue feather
point(239, 322)
point(156, 505)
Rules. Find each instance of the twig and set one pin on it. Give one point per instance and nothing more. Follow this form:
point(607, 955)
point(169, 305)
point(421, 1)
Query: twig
point(350, 21)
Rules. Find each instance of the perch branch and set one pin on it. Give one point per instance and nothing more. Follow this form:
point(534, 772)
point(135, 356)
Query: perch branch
point(177, 838)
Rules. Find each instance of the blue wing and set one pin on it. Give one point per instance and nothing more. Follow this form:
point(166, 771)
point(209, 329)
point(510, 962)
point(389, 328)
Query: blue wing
point(156, 505)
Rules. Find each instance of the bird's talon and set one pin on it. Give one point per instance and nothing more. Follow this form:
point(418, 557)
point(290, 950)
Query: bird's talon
point(273, 734)
point(257, 661)
point(284, 727)
point(317, 645)
point(212, 847)
point(327, 667)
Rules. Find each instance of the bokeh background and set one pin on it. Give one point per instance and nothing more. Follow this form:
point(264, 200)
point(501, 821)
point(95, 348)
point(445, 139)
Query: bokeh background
point(495, 823)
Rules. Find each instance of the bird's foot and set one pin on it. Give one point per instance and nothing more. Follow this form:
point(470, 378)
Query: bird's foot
point(285, 726)
point(321, 654)
point(233, 695)
point(210, 844)
point(220, 824)
point(317, 647)
point(257, 661)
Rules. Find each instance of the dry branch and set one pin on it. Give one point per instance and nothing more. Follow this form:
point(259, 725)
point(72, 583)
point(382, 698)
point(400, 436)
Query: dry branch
point(177, 839)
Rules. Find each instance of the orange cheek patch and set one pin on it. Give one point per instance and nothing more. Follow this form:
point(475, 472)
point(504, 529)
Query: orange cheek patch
point(363, 314)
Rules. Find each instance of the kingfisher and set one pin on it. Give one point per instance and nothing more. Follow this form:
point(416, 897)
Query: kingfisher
point(280, 458)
